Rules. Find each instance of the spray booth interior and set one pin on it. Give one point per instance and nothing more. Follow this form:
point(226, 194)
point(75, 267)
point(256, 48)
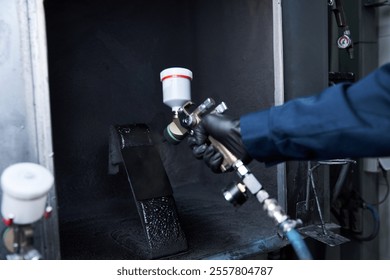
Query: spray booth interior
point(105, 58)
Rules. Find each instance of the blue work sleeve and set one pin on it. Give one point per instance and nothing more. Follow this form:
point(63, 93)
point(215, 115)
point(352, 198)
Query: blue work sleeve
point(346, 120)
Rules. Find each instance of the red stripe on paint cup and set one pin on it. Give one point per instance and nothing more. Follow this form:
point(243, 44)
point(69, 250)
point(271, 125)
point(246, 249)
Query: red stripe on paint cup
point(176, 76)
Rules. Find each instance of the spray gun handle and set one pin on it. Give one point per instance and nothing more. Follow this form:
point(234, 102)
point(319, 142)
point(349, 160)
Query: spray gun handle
point(228, 158)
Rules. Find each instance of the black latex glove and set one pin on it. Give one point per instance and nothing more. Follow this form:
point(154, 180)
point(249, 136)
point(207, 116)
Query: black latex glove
point(225, 130)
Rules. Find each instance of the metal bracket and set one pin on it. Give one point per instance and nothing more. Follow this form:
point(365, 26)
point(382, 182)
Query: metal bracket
point(322, 231)
point(324, 234)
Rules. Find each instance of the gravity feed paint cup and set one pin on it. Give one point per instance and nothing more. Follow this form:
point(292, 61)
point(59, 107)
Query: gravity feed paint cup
point(176, 84)
point(25, 187)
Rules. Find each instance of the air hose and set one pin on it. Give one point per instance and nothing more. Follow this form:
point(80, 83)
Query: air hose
point(375, 216)
point(298, 245)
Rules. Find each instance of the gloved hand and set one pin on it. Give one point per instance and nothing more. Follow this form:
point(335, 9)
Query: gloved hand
point(225, 130)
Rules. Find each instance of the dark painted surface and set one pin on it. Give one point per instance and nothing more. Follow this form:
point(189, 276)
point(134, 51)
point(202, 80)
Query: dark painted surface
point(150, 186)
point(104, 63)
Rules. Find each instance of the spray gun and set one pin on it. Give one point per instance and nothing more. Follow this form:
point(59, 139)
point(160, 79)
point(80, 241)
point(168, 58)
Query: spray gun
point(176, 94)
point(24, 202)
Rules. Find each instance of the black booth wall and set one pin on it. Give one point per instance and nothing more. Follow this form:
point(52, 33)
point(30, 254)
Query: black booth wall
point(104, 63)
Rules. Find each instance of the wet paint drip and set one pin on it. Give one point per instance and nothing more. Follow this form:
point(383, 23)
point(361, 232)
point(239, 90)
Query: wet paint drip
point(162, 225)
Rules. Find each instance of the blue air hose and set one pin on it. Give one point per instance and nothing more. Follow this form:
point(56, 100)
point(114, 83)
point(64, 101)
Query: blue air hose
point(298, 244)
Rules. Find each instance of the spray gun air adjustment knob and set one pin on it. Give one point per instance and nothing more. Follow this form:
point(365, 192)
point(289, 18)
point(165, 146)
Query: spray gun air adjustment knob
point(236, 194)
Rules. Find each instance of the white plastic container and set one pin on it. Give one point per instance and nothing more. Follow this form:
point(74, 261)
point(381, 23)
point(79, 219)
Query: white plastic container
point(25, 187)
point(176, 83)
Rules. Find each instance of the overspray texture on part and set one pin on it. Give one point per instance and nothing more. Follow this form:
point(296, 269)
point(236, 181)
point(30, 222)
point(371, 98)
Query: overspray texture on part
point(132, 146)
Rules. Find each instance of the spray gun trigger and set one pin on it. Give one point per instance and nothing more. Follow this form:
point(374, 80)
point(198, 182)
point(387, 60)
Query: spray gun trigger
point(221, 108)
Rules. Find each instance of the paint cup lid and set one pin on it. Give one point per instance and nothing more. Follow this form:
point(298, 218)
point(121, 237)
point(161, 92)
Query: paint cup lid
point(175, 72)
point(26, 180)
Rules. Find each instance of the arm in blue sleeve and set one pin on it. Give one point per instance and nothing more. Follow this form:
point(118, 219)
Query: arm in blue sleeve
point(346, 120)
